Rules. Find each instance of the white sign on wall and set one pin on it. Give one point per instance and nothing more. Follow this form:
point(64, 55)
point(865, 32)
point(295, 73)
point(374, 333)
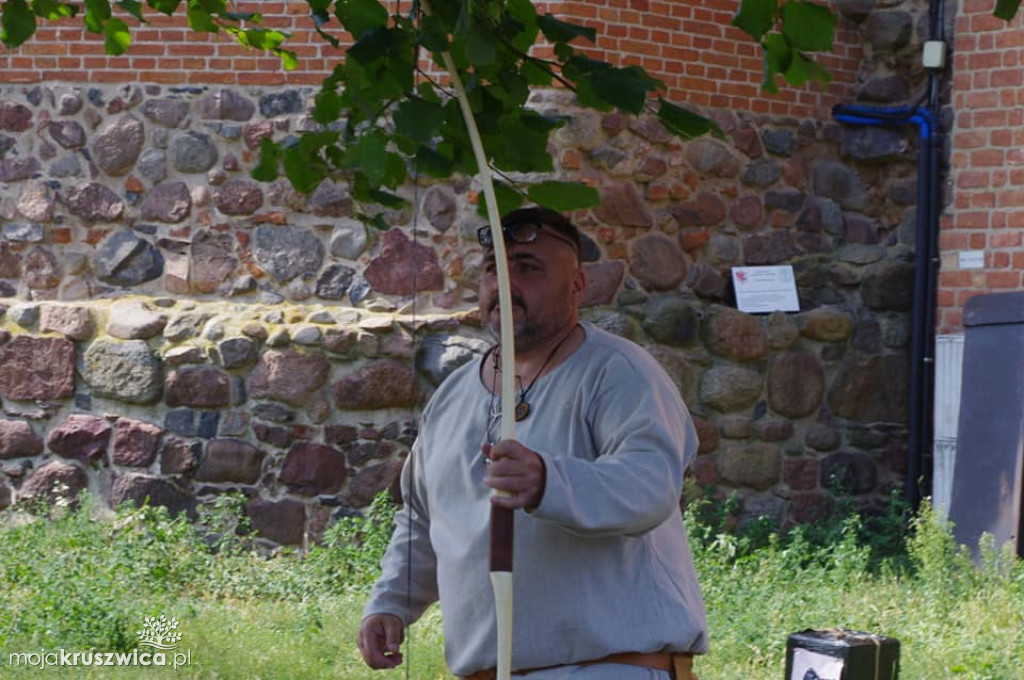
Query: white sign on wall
point(971, 259)
point(765, 289)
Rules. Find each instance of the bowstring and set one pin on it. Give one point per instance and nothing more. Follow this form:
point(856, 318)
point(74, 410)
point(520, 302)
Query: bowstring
point(413, 13)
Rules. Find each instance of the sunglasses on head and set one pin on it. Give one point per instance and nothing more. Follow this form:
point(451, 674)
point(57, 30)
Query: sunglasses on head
point(520, 232)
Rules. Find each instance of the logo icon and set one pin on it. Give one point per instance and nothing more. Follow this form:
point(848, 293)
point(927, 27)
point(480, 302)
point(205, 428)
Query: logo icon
point(159, 633)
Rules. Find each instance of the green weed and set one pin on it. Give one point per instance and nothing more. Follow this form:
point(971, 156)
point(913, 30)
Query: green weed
point(76, 580)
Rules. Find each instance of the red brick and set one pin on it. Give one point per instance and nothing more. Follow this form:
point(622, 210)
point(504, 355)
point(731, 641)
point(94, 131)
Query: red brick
point(987, 60)
point(1001, 137)
point(969, 140)
point(976, 6)
point(1004, 239)
point(971, 220)
point(954, 279)
point(971, 179)
point(1011, 198)
point(984, 119)
point(1002, 279)
point(572, 159)
point(987, 22)
point(1007, 78)
point(984, 199)
point(987, 157)
point(985, 99)
point(952, 240)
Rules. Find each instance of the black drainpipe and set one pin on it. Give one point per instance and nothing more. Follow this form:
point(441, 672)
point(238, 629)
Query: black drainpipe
point(926, 261)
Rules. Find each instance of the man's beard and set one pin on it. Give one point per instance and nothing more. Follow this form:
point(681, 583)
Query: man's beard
point(528, 332)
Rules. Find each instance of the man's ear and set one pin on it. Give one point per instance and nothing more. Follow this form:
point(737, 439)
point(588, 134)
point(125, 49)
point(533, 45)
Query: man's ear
point(579, 284)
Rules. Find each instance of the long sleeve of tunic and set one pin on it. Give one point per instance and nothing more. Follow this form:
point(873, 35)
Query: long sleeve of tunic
point(602, 565)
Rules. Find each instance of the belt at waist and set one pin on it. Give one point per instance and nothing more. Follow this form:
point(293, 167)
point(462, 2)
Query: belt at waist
point(662, 661)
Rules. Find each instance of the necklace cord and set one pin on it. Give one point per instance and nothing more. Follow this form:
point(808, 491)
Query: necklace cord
point(522, 409)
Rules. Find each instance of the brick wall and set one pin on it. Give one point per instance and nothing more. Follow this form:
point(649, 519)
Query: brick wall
point(706, 62)
point(688, 45)
point(987, 212)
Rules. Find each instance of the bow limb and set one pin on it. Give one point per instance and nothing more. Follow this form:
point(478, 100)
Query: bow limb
point(502, 521)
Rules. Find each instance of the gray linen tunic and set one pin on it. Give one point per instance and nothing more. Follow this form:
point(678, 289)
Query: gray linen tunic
point(602, 565)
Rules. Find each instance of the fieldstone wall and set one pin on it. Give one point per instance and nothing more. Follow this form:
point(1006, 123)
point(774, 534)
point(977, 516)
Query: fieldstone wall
point(171, 328)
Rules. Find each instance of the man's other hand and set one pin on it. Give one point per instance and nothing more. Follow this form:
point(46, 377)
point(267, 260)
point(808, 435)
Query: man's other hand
point(380, 640)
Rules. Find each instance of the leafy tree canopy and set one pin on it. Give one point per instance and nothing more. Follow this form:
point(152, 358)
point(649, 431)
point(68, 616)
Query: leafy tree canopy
point(384, 115)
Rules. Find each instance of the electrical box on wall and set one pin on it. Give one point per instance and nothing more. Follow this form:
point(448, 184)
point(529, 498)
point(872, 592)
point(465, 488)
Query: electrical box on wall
point(934, 55)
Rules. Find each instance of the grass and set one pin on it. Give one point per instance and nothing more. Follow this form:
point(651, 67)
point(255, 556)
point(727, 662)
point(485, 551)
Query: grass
point(75, 582)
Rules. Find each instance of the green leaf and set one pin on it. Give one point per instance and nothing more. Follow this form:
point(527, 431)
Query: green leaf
point(53, 9)
point(202, 21)
point(520, 142)
point(480, 43)
point(254, 17)
point(117, 36)
point(395, 171)
point(361, 16)
point(601, 85)
point(558, 31)
point(371, 155)
point(289, 59)
point(623, 88)
point(777, 51)
point(564, 196)
point(418, 120)
point(434, 162)
point(768, 84)
point(387, 199)
point(777, 57)
point(371, 45)
point(96, 14)
point(426, 91)
point(686, 124)
point(432, 34)
point(508, 199)
point(803, 70)
point(270, 157)
point(303, 165)
point(523, 15)
point(512, 87)
point(564, 51)
point(319, 22)
point(808, 27)
point(167, 7)
point(17, 23)
point(756, 17)
point(1007, 9)
point(536, 74)
point(133, 7)
point(327, 106)
point(303, 176)
point(264, 38)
